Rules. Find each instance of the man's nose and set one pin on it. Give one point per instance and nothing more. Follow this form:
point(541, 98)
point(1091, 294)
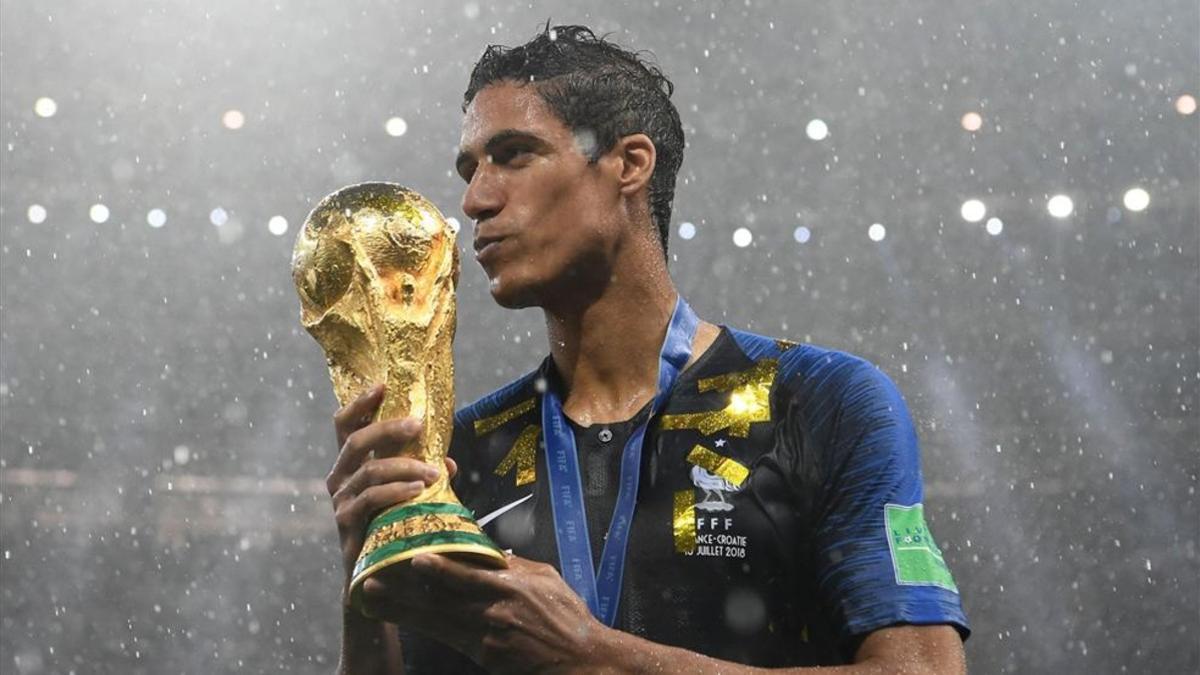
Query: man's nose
point(483, 198)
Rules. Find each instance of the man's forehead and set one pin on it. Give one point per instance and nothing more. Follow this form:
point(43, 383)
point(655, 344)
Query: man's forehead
point(501, 107)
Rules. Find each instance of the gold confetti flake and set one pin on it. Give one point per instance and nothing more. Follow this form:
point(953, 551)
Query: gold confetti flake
point(489, 424)
point(685, 521)
point(749, 401)
point(522, 456)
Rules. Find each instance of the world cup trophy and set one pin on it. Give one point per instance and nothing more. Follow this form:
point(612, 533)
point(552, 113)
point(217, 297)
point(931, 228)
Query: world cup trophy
point(376, 268)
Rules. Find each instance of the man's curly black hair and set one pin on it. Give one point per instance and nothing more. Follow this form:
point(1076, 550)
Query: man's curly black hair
point(596, 86)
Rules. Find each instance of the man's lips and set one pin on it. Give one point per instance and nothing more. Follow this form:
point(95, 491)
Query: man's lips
point(486, 245)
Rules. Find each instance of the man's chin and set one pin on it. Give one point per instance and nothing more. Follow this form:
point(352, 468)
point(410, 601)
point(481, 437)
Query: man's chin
point(510, 296)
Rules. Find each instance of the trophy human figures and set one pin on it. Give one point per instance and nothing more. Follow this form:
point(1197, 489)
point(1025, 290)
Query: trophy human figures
point(376, 268)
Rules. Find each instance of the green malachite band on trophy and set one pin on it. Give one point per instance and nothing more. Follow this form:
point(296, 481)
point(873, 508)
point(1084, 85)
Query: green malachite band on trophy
point(409, 510)
point(430, 539)
point(477, 546)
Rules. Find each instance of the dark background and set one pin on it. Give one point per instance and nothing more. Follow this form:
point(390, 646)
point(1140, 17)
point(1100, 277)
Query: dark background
point(166, 422)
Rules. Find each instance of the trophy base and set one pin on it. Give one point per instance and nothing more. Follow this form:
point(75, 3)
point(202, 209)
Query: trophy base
point(408, 530)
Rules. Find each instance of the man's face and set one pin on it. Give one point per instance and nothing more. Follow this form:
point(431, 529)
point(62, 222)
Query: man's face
point(545, 217)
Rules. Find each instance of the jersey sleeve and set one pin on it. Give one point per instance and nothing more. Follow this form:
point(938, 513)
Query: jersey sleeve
point(877, 563)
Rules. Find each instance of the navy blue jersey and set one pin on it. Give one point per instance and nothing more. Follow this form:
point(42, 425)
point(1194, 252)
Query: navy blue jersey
point(779, 515)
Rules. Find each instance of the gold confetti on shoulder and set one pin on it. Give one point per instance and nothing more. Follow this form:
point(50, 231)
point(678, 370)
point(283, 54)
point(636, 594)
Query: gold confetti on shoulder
point(749, 401)
point(489, 424)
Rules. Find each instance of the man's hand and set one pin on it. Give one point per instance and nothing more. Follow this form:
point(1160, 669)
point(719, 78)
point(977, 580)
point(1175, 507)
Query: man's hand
point(522, 619)
point(371, 473)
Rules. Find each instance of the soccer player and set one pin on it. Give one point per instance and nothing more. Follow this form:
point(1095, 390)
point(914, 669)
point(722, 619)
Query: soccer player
point(678, 496)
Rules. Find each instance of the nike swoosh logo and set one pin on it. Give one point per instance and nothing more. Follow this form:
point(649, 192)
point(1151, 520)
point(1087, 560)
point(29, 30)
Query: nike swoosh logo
point(503, 510)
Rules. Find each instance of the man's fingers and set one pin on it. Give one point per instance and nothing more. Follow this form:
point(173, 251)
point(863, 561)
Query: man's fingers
point(451, 468)
point(398, 595)
point(384, 471)
point(357, 413)
point(460, 576)
point(385, 438)
point(403, 588)
point(354, 512)
point(379, 497)
point(353, 515)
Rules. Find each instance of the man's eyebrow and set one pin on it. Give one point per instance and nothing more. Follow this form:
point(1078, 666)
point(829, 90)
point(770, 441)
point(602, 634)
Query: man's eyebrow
point(498, 139)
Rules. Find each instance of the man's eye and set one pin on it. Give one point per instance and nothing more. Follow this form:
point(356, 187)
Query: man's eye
point(507, 155)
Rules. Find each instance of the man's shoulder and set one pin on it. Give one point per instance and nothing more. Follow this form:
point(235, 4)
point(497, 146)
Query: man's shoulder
point(803, 364)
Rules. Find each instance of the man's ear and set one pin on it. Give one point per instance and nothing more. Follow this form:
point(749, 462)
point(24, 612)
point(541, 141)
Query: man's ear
point(635, 155)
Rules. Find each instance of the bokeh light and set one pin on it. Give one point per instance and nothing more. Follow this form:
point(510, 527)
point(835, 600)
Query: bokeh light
point(218, 216)
point(877, 232)
point(687, 230)
point(1136, 199)
point(802, 234)
point(972, 121)
point(817, 130)
point(1185, 105)
point(45, 107)
point(156, 218)
point(98, 213)
point(233, 119)
point(277, 225)
point(1060, 206)
point(994, 226)
point(36, 214)
point(396, 126)
point(742, 237)
point(973, 210)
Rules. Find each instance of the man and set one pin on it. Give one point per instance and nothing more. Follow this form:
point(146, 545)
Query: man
point(699, 497)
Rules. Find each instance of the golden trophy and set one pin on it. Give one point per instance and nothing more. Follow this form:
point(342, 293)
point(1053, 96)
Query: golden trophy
point(376, 268)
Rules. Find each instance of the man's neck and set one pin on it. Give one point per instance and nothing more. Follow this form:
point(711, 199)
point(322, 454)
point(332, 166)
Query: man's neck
point(606, 347)
point(607, 350)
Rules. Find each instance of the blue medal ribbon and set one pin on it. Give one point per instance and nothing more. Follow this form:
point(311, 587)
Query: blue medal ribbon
point(602, 592)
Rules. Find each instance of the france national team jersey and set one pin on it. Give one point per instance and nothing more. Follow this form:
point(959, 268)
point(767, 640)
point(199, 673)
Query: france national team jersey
point(779, 511)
